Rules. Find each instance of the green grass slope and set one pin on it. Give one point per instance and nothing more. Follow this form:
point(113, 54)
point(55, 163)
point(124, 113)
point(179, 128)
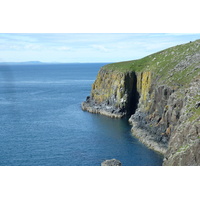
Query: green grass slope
point(175, 66)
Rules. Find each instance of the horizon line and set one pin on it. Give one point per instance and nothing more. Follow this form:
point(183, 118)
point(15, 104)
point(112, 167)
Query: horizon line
point(41, 62)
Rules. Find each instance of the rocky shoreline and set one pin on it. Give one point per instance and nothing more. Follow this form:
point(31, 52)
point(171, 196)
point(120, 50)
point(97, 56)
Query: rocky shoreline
point(147, 139)
point(141, 134)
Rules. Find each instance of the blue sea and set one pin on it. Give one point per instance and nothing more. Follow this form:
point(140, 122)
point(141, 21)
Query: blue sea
point(42, 124)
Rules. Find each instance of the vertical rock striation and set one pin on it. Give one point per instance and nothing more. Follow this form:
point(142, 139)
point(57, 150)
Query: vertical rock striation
point(184, 144)
point(113, 94)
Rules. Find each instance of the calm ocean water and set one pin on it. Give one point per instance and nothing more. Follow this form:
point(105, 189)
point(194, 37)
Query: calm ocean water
point(42, 123)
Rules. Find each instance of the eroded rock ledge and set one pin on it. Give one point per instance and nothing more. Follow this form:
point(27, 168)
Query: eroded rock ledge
point(148, 139)
point(103, 109)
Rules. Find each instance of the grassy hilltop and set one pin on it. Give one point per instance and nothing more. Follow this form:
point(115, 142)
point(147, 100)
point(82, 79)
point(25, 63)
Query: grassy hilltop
point(164, 62)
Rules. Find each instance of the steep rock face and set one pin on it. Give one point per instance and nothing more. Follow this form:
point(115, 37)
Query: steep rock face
point(112, 94)
point(162, 91)
point(184, 145)
point(156, 117)
point(143, 87)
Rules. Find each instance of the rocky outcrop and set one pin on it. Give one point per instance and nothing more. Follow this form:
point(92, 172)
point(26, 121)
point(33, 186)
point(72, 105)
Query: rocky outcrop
point(161, 92)
point(112, 162)
point(113, 94)
point(184, 144)
point(154, 120)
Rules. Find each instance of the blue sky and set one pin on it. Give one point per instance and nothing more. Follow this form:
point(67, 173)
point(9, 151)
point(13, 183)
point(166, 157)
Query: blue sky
point(85, 47)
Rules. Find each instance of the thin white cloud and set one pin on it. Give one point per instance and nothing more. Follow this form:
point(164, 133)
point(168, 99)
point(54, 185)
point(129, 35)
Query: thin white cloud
point(99, 47)
point(14, 47)
point(180, 34)
point(156, 46)
point(62, 48)
point(32, 47)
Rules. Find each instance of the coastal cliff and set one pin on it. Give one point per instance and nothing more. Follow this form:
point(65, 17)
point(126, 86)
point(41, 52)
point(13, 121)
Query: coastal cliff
point(112, 94)
point(161, 95)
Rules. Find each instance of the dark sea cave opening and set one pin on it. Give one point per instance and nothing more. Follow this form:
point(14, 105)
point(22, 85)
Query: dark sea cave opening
point(134, 96)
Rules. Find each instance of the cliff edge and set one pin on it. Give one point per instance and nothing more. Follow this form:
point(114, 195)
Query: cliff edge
point(161, 95)
point(112, 94)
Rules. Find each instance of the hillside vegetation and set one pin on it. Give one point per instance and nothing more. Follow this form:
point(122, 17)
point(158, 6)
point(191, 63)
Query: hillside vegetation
point(169, 65)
